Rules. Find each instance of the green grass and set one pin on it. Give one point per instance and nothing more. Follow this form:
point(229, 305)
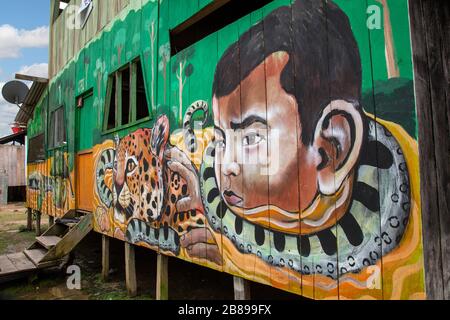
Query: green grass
point(18, 240)
point(28, 287)
point(12, 292)
point(117, 295)
point(14, 237)
point(7, 217)
point(100, 290)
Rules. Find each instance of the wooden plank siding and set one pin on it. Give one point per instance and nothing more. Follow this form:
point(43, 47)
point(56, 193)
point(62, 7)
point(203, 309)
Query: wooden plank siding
point(85, 183)
point(281, 148)
point(12, 159)
point(66, 39)
point(430, 31)
point(371, 107)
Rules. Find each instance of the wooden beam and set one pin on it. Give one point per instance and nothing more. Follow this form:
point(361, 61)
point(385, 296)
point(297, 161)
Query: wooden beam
point(51, 221)
point(29, 219)
point(162, 279)
point(38, 223)
point(130, 270)
point(30, 78)
point(118, 99)
point(213, 6)
point(241, 289)
point(54, 11)
point(105, 258)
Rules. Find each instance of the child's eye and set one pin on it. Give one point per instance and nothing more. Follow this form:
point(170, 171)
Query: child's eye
point(252, 139)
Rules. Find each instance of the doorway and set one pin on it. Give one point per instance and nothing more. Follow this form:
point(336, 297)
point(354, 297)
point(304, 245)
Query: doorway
point(85, 122)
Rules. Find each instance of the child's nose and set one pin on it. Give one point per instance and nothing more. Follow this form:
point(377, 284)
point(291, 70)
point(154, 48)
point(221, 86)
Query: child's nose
point(231, 169)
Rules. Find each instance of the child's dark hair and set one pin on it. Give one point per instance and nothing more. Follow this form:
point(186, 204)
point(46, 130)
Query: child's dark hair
point(324, 62)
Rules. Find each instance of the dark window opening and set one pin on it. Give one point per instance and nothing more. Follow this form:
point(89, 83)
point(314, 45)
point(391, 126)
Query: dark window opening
point(125, 96)
point(141, 98)
point(57, 128)
point(112, 104)
point(210, 19)
point(36, 149)
point(62, 5)
point(126, 101)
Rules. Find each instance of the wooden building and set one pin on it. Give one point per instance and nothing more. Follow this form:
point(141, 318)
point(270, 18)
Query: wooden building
point(13, 166)
point(301, 144)
point(12, 159)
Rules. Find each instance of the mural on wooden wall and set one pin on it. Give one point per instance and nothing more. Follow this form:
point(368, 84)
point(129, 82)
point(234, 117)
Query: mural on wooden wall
point(281, 148)
point(50, 186)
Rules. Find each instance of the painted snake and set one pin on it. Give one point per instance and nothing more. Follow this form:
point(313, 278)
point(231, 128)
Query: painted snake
point(372, 227)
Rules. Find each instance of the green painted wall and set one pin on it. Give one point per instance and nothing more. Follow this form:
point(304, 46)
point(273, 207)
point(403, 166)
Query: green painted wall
point(131, 37)
point(86, 120)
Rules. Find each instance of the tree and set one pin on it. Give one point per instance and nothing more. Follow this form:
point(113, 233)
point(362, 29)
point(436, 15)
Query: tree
point(183, 70)
point(391, 63)
point(119, 43)
point(87, 62)
point(164, 56)
point(136, 42)
point(99, 75)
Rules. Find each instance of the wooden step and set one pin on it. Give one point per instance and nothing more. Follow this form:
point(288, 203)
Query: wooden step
point(49, 249)
point(68, 222)
point(21, 261)
point(70, 240)
point(48, 241)
point(13, 266)
point(6, 265)
point(35, 255)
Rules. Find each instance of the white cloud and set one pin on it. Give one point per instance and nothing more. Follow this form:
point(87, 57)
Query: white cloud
point(12, 40)
point(36, 70)
point(9, 111)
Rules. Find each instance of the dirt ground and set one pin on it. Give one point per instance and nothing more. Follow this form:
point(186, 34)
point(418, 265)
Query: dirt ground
point(186, 281)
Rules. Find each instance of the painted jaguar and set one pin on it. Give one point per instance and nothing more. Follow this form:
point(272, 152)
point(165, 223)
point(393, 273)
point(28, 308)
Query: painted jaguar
point(145, 191)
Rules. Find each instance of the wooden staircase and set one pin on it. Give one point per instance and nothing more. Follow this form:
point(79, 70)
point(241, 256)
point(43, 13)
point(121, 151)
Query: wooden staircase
point(49, 249)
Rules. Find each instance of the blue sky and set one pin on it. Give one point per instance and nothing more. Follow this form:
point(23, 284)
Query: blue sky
point(23, 46)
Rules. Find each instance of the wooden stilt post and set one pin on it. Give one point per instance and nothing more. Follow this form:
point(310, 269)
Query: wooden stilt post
point(105, 257)
point(38, 223)
point(29, 219)
point(51, 221)
point(130, 270)
point(241, 289)
point(162, 279)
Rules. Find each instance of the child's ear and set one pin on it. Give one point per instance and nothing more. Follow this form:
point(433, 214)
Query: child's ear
point(337, 144)
point(160, 136)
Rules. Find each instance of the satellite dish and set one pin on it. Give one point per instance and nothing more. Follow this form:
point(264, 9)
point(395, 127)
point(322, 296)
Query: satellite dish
point(84, 11)
point(15, 92)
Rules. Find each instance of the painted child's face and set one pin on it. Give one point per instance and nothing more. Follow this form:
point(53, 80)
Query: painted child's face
point(258, 143)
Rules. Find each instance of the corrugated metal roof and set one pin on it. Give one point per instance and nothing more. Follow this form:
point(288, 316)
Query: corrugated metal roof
point(17, 137)
point(32, 98)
